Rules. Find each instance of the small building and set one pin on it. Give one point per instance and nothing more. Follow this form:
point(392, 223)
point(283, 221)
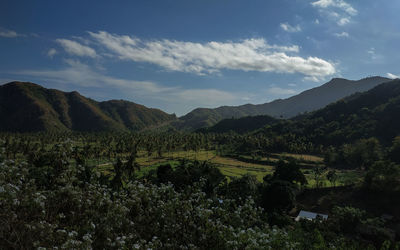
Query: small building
point(310, 215)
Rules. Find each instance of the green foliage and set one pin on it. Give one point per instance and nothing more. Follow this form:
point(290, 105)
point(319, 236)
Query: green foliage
point(394, 152)
point(242, 188)
point(187, 173)
point(362, 154)
point(278, 196)
point(383, 176)
point(289, 172)
point(332, 177)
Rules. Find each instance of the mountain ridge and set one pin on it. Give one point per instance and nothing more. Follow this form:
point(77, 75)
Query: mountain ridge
point(373, 113)
point(306, 101)
point(28, 107)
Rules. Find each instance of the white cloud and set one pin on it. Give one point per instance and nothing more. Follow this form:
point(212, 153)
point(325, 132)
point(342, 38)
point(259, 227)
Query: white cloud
point(75, 48)
point(371, 51)
point(346, 7)
point(316, 21)
point(392, 76)
point(343, 34)
point(51, 53)
point(201, 58)
point(343, 21)
point(8, 33)
point(338, 10)
point(289, 28)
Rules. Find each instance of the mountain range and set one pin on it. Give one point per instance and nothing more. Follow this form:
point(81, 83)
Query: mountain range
point(306, 101)
point(374, 113)
point(28, 107)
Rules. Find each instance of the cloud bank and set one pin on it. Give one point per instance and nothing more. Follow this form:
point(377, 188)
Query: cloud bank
point(209, 57)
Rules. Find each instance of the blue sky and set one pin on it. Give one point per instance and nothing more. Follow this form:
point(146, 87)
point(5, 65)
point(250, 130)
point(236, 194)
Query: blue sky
point(179, 55)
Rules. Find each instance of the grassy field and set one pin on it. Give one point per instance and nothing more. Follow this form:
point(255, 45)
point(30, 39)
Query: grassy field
point(232, 167)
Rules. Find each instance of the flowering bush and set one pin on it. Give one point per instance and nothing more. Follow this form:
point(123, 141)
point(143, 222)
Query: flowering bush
point(74, 212)
point(53, 203)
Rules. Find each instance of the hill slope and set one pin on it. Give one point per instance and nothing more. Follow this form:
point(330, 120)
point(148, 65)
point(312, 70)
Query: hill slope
point(26, 107)
point(240, 125)
point(306, 101)
point(374, 113)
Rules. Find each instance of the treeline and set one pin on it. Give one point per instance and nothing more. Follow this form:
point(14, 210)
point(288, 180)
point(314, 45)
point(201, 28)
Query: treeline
point(112, 145)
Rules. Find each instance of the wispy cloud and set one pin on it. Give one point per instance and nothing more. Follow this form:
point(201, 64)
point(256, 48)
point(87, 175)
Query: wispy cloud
point(372, 53)
point(392, 76)
point(77, 49)
point(343, 21)
point(346, 7)
point(289, 28)
point(202, 58)
point(175, 98)
point(9, 33)
point(51, 52)
point(83, 75)
point(339, 10)
point(342, 34)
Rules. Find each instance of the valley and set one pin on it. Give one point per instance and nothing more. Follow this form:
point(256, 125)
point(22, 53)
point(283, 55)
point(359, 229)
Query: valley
point(337, 160)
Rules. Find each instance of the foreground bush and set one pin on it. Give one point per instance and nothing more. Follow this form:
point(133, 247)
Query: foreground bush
point(76, 212)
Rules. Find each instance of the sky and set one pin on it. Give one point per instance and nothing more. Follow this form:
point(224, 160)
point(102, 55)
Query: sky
point(184, 54)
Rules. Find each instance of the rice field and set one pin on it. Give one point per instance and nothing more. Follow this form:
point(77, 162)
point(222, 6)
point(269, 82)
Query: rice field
point(232, 167)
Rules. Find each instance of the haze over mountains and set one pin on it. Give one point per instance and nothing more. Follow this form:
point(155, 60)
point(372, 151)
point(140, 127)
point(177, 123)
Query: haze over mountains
point(306, 101)
point(26, 107)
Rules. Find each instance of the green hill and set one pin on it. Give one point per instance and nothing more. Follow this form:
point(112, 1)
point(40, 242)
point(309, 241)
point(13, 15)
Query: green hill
point(240, 125)
point(374, 113)
point(26, 107)
point(306, 101)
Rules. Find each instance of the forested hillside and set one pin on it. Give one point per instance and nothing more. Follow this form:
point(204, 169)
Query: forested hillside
point(28, 107)
point(306, 101)
point(363, 115)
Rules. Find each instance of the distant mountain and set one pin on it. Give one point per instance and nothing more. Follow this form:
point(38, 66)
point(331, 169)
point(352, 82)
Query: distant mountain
point(306, 101)
point(26, 107)
point(374, 113)
point(240, 125)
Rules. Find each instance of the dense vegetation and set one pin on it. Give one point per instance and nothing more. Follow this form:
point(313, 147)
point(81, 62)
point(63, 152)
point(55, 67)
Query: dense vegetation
point(53, 194)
